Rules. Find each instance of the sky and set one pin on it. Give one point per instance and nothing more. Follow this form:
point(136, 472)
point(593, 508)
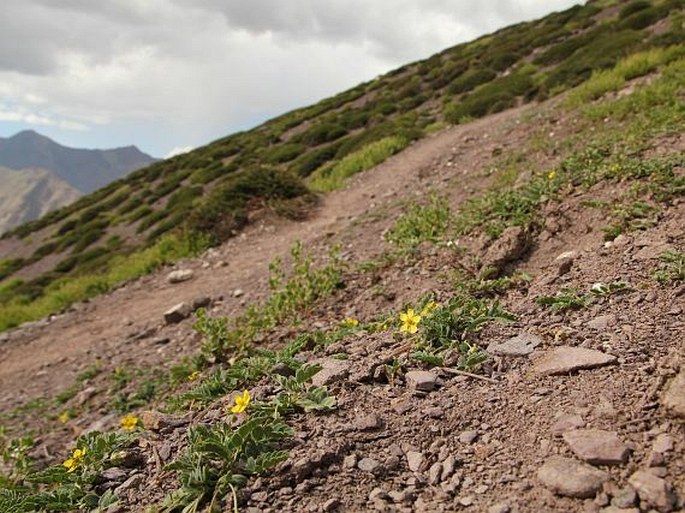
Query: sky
point(170, 75)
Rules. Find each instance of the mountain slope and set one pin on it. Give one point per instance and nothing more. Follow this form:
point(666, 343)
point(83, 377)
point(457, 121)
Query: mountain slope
point(85, 170)
point(28, 194)
point(209, 195)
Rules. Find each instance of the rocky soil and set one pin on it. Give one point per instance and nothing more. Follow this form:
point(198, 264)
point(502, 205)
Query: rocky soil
point(579, 410)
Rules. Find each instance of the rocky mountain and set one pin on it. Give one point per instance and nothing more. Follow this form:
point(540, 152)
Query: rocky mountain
point(31, 193)
point(85, 170)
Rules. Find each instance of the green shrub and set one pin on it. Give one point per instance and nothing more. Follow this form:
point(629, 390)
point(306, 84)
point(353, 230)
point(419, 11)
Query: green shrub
point(320, 134)
point(183, 198)
point(333, 176)
point(471, 79)
point(10, 266)
point(305, 164)
point(633, 8)
point(225, 210)
point(151, 220)
point(498, 95)
point(641, 19)
point(284, 153)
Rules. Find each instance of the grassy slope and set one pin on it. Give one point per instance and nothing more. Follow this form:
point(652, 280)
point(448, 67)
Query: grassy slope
point(205, 195)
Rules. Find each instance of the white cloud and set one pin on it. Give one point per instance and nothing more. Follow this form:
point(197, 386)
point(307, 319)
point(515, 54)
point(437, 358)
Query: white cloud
point(166, 73)
point(178, 151)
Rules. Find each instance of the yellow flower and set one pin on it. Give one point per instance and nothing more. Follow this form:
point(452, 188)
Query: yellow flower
point(64, 417)
point(194, 375)
point(129, 422)
point(75, 461)
point(410, 321)
point(551, 175)
point(350, 322)
point(429, 309)
point(241, 402)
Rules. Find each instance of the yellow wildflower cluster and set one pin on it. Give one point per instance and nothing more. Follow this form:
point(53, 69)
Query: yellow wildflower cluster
point(429, 309)
point(129, 422)
point(410, 321)
point(193, 375)
point(75, 461)
point(241, 402)
point(350, 323)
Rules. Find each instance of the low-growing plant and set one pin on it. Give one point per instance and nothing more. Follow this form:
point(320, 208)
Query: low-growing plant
point(672, 267)
point(421, 223)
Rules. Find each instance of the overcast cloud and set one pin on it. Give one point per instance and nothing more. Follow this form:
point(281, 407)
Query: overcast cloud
point(172, 74)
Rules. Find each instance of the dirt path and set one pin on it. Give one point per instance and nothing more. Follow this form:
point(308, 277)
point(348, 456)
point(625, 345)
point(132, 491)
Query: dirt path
point(101, 327)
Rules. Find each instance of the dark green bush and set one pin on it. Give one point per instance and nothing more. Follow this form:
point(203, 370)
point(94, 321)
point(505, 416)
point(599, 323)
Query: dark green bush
point(307, 163)
point(354, 119)
point(10, 266)
point(143, 211)
point(471, 79)
point(641, 19)
point(284, 153)
point(226, 209)
point(633, 7)
point(602, 53)
point(183, 198)
point(151, 220)
point(320, 134)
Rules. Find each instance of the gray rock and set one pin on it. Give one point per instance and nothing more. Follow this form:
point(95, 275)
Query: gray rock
point(664, 443)
point(350, 461)
point(510, 246)
point(564, 262)
point(177, 313)
point(132, 483)
point(566, 422)
point(332, 370)
point(597, 446)
point(520, 345)
point(114, 474)
point(180, 275)
point(448, 467)
point(566, 359)
point(238, 293)
point(624, 498)
point(500, 507)
point(85, 395)
point(601, 322)
point(466, 501)
point(614, 509)
point(571, 478)
point(653, 490)
point(434, 473)
point(201, 302)
point(414, 460)
point(674, 398)
point(468, 437)
point(421, 380)
point(368, 422)
point(331, 505)
point(369, 465)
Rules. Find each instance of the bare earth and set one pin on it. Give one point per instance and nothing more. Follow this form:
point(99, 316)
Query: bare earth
point(468, 443)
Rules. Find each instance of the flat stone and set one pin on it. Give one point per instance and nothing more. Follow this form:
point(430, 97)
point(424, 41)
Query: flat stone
point(177, 313)
point(520, 345)
point(567, 422)
point(510, 246)
point(624, 498)
point(571, 478)
point(332, 370)
point(566, 359)
point(653, 490)
point(674, 398)
point(421, 380)
point(331, 505)
point(597, 446)
point(369, 465)
point(201, 302)
point(434, 473)
point(368, 422)
point(500, 507)
point(414, 460)
point(614, 509)
point(468, 437)
point(663, 443)
point(180, 276)
point(601, 322)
